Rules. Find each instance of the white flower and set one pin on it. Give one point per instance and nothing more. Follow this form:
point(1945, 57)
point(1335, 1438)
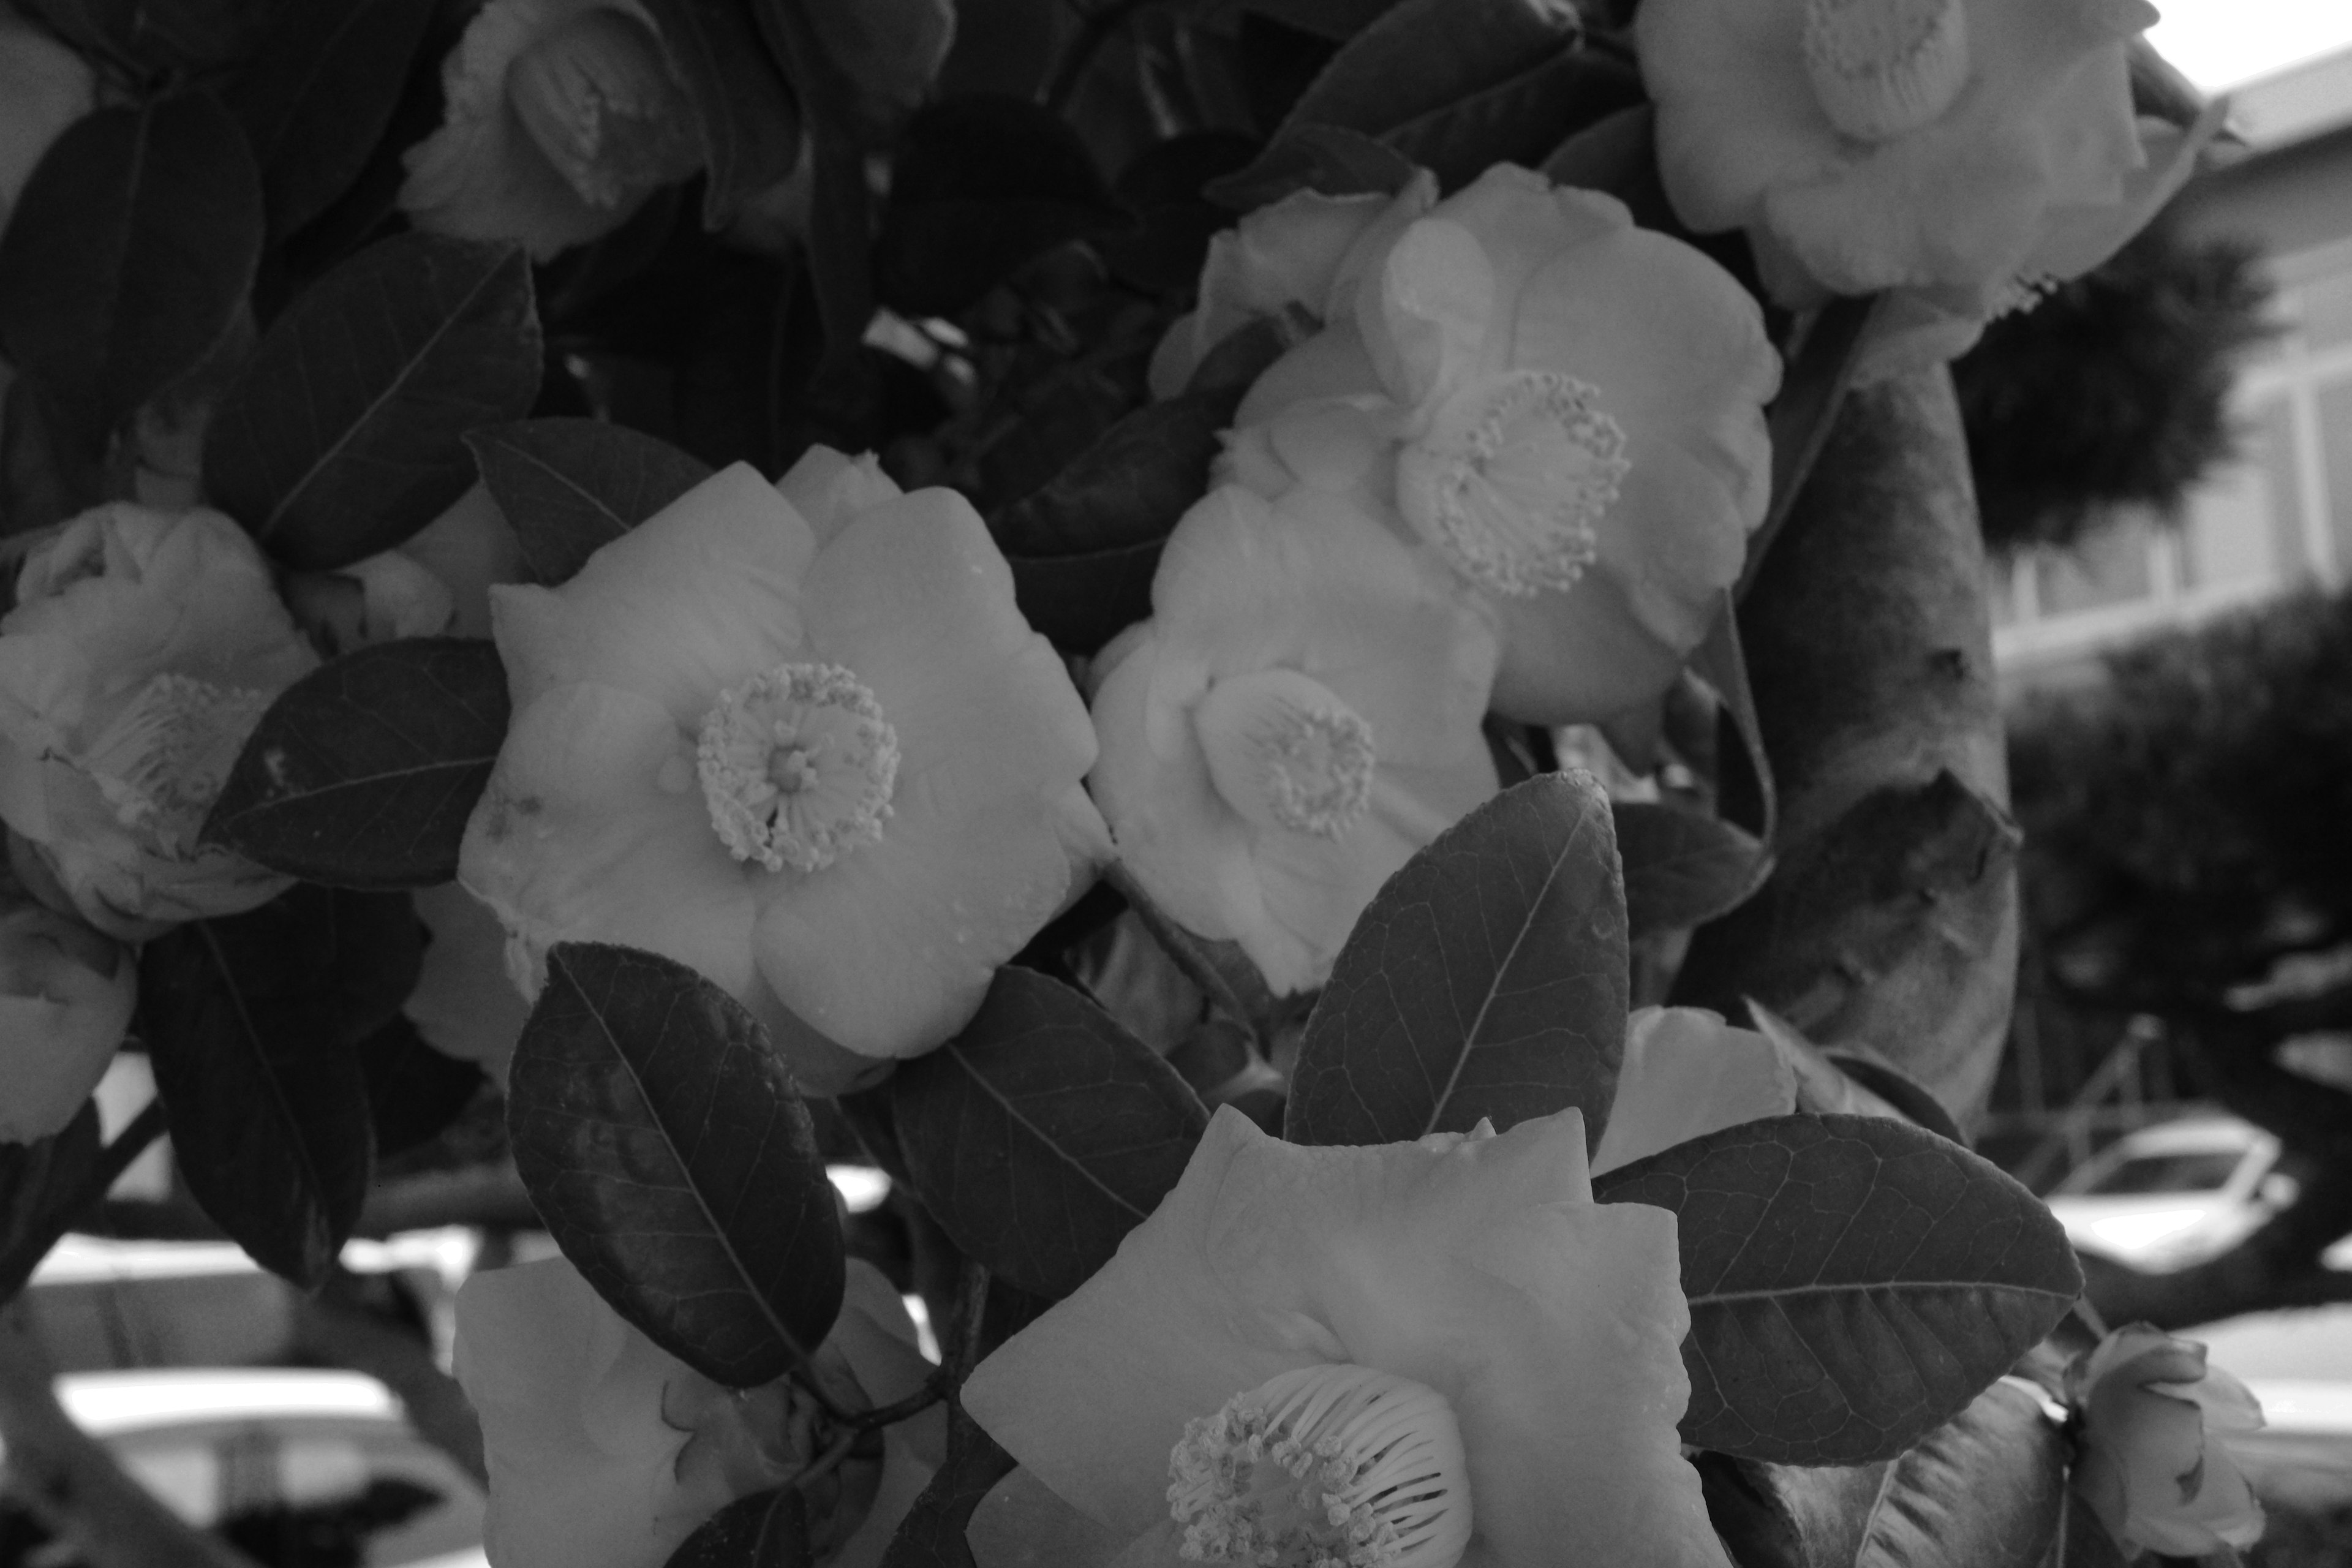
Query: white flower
point(142, 650)
point(2150, 1466)
point(1300, 714)
point(561, 118)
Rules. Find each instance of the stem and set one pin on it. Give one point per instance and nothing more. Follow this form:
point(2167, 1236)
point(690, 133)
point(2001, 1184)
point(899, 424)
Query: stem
point(16, 1265)
point(914, 1404)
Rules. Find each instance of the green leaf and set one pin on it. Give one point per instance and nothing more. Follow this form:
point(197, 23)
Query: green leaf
point(765, 1530)
point(362, 773)
point(132, 247)
point(981, 184)
point(1983, 1491)
point(36, 1178)
point(344, 434)
point(251, 1022)
point(1043, 1133)
point(176, 36)
point(1618, 153)
point(1224, 973)
point(661, 1138)
point(1899, 1089)
point(749, 124)
point(1801, 415)
point(1854, 1282)
point(1683, 868)
point(316, 99)
point(1517, 120)
point(413, 1091)
point(568, 486)
point(1337, 20)
point(1749, 798)
point(1486, 979)
point(1330, 159)
point(933, 1533)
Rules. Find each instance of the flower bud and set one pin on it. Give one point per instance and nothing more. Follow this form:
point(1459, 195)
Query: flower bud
point(2149, 1469)
point(66, 995)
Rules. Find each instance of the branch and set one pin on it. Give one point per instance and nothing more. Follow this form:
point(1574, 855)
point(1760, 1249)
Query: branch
point(349, 1335)
point(73, 1483)
point(17, 1264)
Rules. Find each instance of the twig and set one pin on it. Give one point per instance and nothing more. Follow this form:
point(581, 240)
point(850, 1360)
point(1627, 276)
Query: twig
point(16, 1265)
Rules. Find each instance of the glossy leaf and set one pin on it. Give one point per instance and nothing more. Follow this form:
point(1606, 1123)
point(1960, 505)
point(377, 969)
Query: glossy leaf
point(1682, 867)
point(983, 184)
point(1805, 411)
point(1337, 20)
point(1517, 120)
point(413, 1091)
point(568, 486)
point(251, 1023)
point(1486, 979)
point(166, 36)
point(933, 1533)
point(1853, 1282)
point(362, 773)
point(662, 1140)
point(749, 125)
point(766, 1530)
point(132, 246)
point(1750, 798)
point(344, 434)
point(1618, 153)
point(1043, 1133)
point(1329, 159)
point(1899, 1089)
point(316, 99)
point(36, 1179)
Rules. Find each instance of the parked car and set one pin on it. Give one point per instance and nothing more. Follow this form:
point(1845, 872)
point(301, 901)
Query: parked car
point(298, 1468)
point(2178, 1193)
point(2298, 1363)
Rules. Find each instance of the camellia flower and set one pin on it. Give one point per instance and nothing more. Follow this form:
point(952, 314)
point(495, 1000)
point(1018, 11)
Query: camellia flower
point(435, 584)
point(1965, 154)
point(2149, 1468)
point(1436, 1352)
point(1687, 1073)
point(1300, 715)
point(1578, 408)
point(142, 652)
point(44, 88)
point(800, 739)
point(66, 995)
point(607, 1451)
point(563, 117)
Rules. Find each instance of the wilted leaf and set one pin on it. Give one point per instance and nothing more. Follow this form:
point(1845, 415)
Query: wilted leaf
point(1043, 1133)
point(413, 1091)
point(568, 486)
point(132, 247)
point(981, 184)
point(661, 1139)
point(315, 101)
point(362, 773)
point(252, 1021)
point(36, 1178)
point(1853, 1282)
point(766, 1530)
point(344, 434)
point(1682, 867)
point(1486, 979)
point(749, 124)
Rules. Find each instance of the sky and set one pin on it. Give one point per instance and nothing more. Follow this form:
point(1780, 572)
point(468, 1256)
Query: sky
point(2220, 44)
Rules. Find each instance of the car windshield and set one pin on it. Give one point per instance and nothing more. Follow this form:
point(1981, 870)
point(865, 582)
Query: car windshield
point(2198, 1171)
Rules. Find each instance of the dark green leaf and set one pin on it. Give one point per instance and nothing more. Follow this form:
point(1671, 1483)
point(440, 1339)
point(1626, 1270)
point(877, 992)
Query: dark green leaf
point(1330, 159)
point(1174, 221)
point(36, 1178)
point(1517, 120)
point(247, 1021)
point(1486, 979)
point(661, 1139)
point(364, 772)
point(981, 184)
point(1854, 1282)
point(1682, 867)
point(1335, 20)
point(765, 1530)
point(1804, 412)
point(162, 35)
point(568, 486)
point(1080, 602)
point(933, 1533)
point(315, 100)
point(1043, 1133)
point(132, 246)
point(1618, 153)
point(750, 126)
point(1899, 1089)
point(1747, 793)
point(1225, 973)
point(345, 435)
point(413, 1091)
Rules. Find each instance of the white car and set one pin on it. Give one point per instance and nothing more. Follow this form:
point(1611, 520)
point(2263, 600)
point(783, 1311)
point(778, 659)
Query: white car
point(2178, 1193)
point(291, 1465)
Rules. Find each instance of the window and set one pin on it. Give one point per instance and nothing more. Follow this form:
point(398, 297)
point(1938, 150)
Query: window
point(2202, 1170)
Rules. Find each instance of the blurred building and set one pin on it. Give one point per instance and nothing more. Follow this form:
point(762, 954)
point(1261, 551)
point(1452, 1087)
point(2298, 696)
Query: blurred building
point(2280, 517)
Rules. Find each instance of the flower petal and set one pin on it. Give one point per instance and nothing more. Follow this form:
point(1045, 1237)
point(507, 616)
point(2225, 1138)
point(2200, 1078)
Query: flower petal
point(1687, 1073)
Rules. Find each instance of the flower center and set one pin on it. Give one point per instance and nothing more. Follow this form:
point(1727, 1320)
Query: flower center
point(597, 98)
point(1514, 479)
point(1882, 68)
point(797, 766)
point(1327, 1466)
point(1285, 752)
point(160, 764)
